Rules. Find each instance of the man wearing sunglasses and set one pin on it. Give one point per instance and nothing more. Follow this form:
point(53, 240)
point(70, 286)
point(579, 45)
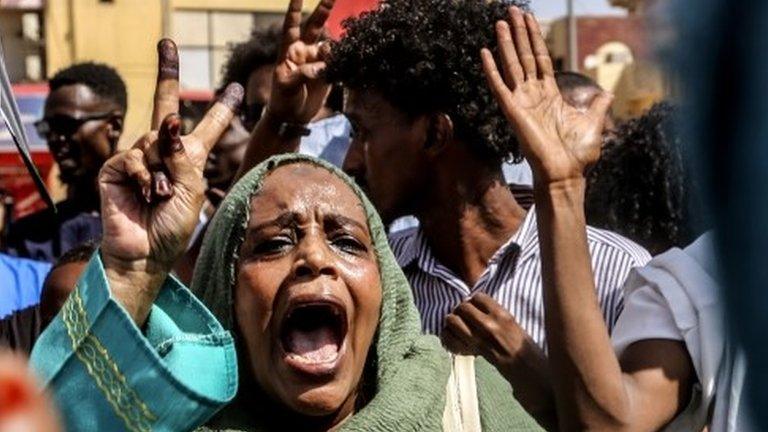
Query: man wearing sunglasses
point(82, 124)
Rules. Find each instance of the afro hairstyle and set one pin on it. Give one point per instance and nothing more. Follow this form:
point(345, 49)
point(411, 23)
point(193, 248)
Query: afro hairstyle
point(100, 78)
point(259, 50)
point(640, 188)
point(423, 57)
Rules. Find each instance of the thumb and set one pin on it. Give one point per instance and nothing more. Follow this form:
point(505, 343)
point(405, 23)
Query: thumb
point(180, 168)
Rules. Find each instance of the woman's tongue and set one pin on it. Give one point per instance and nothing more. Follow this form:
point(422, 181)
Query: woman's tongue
point(317, 345)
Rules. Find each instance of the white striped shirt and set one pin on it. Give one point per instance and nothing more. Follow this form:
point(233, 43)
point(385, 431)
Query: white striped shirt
point(513, 276)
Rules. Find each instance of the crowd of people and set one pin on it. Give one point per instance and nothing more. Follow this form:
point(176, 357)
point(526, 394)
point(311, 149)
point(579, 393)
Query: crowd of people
point(420, 226)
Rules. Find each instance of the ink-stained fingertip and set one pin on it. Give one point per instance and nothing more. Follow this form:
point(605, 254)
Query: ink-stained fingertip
point(165, 43)
point(168, 59)
point(232, 96)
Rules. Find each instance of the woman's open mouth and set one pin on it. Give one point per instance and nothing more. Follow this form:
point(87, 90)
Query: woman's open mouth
point(312, 336)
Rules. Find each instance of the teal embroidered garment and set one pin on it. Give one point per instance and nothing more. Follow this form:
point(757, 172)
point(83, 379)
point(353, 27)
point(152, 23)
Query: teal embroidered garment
point(173, 377)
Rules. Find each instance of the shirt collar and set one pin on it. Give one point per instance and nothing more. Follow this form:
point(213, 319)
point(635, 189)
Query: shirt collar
point(417, 250)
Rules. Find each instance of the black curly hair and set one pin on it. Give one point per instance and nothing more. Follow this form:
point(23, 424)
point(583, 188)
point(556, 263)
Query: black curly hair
point(640, 187)
point(423, 56)
point(259, 50)
point(100, 78)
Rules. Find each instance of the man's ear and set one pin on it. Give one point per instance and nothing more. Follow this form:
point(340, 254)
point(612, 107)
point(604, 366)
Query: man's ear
point(439, 133)
point(115, 125)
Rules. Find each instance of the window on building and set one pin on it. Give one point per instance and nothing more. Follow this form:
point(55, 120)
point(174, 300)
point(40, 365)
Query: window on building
point(203, 38)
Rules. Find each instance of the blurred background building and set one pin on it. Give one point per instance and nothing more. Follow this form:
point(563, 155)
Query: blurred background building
point(42, 36)
point(614, 50)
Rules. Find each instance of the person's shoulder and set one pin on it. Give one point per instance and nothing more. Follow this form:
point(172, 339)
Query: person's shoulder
point(24, 279)
point(19, 262)
point(618, 244)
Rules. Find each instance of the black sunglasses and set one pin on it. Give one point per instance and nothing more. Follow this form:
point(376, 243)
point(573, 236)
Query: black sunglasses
point(64, 125)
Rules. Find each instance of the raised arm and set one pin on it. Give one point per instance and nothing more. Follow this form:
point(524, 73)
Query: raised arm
point(151, 195)
point(298, 91)
point(593, 388)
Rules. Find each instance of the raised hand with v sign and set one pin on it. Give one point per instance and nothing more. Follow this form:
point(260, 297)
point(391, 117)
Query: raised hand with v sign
point(298, 91)
point(151, 195)
point(298, 88)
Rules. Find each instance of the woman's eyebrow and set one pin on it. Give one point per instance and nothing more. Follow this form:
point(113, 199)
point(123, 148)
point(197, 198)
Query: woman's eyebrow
point(340, 220)
point(283, 220)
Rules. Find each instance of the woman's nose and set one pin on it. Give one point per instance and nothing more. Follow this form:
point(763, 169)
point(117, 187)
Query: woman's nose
point(314, 260)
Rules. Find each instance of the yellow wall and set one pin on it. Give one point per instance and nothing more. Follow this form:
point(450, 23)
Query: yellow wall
point(239, 5)
point(124, 34)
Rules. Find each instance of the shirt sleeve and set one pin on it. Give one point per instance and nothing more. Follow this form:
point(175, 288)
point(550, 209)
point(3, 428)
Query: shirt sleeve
point(646, 315)
point(105, 374)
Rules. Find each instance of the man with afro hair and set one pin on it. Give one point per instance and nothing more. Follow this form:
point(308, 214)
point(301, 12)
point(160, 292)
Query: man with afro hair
point(82, 123)
point(429, 140)
point(418, 101)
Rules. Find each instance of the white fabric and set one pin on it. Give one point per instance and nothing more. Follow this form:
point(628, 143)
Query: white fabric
point(676, 297)
point(519, 174)
point(462, 409)
point(329, 139)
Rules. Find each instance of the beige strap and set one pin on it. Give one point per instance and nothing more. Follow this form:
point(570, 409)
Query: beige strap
point(462, 412)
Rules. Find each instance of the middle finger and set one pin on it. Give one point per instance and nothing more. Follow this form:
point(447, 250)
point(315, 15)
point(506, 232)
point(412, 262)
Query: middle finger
point(315, 26)
point(522, 43)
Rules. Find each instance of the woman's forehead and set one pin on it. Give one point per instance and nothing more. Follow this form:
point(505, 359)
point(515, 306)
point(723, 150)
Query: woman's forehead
point(304, 188)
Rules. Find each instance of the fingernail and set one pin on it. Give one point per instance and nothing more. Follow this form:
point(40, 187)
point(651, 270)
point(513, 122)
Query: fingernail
point(232, 96)
point(162, 185)
point(170, 136)
point(168, 56)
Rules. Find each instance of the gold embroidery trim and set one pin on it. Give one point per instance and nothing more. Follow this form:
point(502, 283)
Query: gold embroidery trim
point(103, 369)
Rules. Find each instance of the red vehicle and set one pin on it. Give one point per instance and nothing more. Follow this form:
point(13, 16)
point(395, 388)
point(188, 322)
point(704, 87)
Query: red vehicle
point(15, 182)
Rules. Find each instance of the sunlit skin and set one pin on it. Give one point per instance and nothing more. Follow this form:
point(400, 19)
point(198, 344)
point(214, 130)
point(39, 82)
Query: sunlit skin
point(307, 237)
point(384, 137)
point(81, 155)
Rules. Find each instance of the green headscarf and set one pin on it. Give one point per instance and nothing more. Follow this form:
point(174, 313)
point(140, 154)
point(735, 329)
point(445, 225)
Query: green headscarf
point(411, 369)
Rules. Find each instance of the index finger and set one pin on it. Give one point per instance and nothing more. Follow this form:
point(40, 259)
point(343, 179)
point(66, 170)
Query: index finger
point(166, 100)
point(291, 26)
point(218, 118)
point(315, 25)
